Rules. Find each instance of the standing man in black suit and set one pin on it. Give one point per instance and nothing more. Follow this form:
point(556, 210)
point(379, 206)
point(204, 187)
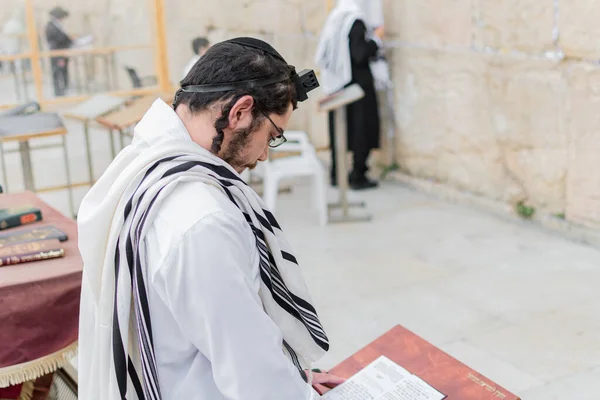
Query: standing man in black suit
point(344, 54)
point(58, 39)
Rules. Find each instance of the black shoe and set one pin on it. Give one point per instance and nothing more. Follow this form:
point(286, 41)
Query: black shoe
point(363, 184)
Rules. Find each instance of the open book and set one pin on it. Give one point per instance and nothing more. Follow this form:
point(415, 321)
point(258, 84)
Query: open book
point(383, 379)
point(83, 41)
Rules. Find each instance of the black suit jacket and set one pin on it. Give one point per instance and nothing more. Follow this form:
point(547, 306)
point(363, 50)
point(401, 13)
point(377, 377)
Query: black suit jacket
point(57, 38)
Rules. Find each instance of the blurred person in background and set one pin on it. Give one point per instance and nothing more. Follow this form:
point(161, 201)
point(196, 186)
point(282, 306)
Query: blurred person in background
point(199, 46)
point(58, 39)
point(346, 49)
point(13, 33)
point(374, 20)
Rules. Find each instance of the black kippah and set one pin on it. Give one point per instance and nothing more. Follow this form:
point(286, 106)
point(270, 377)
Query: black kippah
point(257, 44)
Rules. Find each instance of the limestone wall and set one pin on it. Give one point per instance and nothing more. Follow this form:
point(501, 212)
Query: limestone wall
point(500, 98)
point(496, 97)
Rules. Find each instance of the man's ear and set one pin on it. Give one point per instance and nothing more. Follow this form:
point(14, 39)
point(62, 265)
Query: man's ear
point(241, 112)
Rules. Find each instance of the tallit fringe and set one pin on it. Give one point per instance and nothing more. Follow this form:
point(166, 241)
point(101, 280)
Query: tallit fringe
point(27, 390)
point(32, 370)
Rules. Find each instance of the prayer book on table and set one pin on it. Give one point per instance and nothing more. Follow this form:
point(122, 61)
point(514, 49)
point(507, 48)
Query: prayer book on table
point(32, 251)
point(17, 216)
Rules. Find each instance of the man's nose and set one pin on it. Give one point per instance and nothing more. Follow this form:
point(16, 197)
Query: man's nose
point(265, 154)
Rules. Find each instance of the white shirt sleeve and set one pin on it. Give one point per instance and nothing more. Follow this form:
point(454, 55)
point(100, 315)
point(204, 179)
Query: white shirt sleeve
point(211, 291)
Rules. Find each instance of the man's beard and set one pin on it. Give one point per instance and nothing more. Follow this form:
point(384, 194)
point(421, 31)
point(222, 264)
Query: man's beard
point(233, 155)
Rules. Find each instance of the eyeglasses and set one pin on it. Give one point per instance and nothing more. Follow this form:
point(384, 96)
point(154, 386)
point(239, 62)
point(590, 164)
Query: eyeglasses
point(275, 141)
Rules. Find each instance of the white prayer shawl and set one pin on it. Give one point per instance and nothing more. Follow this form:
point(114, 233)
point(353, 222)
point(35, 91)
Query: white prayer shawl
point(333, 50)
point(114, 320)
point(373, 18)
point(372, 11)
point(14, 27)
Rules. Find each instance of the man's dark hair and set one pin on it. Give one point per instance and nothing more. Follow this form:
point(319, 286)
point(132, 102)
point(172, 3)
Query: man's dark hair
point(198, 44)
point(227, 62)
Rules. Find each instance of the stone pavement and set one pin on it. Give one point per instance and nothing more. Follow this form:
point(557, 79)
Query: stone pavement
point(514, 302)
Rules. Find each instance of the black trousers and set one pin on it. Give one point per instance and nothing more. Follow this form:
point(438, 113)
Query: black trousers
point(60, 75)
point(360, 154)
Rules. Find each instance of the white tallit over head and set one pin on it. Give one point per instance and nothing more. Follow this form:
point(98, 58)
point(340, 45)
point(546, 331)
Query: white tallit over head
point(372, 11)
point(373, 14)
point(333, 50)
point(116, 356)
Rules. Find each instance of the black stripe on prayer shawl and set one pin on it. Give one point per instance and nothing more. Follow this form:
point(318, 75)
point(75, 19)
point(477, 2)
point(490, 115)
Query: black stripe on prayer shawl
point(123, 367)
point(145, 325)
point(319, 338)
point(147, 340)
point(218, 169)
point(293, 355)
point(271, 219)
point(264, 222)
point(280, 299)
point(148, 172)
point(285, 298)
point(137, 385)
point(144, 299)
point(118, 348)
point(289, 257)
point(309, 313)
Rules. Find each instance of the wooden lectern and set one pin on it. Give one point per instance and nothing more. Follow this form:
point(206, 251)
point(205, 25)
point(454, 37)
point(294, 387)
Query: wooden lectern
point(337, 103)
point(419, 357)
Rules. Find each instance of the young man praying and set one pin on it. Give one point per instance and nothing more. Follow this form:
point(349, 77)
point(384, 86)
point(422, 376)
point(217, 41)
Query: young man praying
point(190, 290)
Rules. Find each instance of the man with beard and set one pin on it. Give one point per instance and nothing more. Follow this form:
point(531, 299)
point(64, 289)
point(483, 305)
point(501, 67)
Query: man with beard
point(190, 290)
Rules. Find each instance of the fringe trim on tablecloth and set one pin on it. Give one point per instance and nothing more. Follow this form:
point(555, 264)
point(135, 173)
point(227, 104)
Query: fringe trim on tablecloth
point(29, 371)
point(27, 390)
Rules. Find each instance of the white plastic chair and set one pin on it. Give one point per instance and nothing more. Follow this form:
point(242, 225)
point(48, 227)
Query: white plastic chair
point(305, 164)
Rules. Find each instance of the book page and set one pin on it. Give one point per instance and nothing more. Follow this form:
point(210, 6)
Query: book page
point(383, 379)
point(412, 388)
point(376, 379)
point(83, 41)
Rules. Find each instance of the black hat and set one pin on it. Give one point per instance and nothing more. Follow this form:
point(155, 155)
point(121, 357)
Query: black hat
point(59, 12)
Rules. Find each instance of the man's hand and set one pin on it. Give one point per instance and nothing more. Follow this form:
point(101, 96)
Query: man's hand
point(323, 382)
point(379, 32)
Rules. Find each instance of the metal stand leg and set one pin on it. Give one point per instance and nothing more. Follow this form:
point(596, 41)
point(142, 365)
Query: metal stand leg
point(4, 172)
point(68, 174)
point(26, 163)
point(86, 75)
point(107, 71)
point(88, 150)
point(13, 67)
point(112, 144)
point(24, 81)
point(121, 139)
point(113, 62)
point(78, 84)
point(342, 174)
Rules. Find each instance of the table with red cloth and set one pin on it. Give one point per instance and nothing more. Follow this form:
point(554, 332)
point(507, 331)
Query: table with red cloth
point(39, 304)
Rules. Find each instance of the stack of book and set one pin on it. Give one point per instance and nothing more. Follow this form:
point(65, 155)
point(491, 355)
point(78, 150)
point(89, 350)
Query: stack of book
point(34, 243)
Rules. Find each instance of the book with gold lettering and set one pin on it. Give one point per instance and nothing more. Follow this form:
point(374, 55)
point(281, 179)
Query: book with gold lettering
point(31, 251)
point(32, 234)
point(17, 216)
point(402, 365)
